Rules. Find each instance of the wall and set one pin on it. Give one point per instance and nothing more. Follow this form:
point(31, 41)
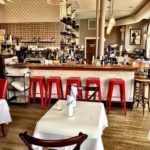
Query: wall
point(27, 31)
point(113, 38)
point(84, 32)
point(32, 18)
point(141, 25)
point(29, 11)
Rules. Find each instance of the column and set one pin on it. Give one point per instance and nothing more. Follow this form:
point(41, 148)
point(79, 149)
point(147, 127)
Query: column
point(102, 28)
point(97, 26)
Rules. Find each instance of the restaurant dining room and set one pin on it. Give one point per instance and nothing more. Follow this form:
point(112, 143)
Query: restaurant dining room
point(74, 75)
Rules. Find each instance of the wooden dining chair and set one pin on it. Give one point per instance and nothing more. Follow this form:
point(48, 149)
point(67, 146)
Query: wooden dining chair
point(93, 91)
point(29, 140)
point(3, 93)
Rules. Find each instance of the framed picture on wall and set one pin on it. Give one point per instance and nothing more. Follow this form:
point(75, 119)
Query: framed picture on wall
point(135, 36)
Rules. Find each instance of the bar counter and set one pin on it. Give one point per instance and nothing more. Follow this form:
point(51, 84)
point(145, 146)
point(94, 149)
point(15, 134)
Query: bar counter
point(75, 67)
point(85, 71)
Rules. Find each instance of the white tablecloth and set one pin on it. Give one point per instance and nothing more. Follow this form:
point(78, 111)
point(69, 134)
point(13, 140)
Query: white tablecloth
point(4, 112)
point(89, 118)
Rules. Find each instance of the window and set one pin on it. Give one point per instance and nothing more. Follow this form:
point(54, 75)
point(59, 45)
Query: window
point(148, 43)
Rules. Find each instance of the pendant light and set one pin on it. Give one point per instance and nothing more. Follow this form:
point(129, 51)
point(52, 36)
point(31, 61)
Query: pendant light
point(112, 20)
point(56, 2)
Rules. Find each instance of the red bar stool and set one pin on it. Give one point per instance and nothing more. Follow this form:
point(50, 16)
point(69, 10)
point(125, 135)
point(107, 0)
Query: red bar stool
point(33, 81)
point(58, 82)
point(72, 81)
point(95, 81)
point(112, 83)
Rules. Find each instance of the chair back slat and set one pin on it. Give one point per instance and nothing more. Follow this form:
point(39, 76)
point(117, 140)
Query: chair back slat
point(94, 91)
point(29, 140)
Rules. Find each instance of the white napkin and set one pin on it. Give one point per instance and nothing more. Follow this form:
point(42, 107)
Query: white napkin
point(70, 105)
point(19, 85)
point(73, 93)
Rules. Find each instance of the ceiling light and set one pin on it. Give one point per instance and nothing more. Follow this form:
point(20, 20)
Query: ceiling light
point(112, 20)
point(56, 2)
point(2, 2)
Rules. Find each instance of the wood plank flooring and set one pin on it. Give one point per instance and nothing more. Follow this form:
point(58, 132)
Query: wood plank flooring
point(124, 132)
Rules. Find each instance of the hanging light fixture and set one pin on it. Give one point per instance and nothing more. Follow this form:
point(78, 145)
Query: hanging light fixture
point(4, 1)
point(112, 20)
point(56, 2)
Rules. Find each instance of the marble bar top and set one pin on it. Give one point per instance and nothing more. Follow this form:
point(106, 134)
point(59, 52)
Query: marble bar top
point(75, 67)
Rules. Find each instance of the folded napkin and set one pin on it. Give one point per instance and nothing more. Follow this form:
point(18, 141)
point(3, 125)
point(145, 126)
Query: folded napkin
point(19, 85)
point(73, 93)
point(70, 105)
point(4, 112)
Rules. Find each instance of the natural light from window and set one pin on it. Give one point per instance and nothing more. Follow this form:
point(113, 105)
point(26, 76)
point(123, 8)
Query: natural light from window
point(148, 43)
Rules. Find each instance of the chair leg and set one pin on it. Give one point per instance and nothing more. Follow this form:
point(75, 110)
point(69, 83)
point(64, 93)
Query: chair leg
point(99, 92)
point(46, 92)
point(143, 98)
point(58, 90)
point(79, 91)
point(29, 95)
point(50, 92)
point(3, 130)
point(140, 93)
point(62, 95)
point(134, 96)
point(87, 92)
point(68, 89)
point(34, 91)
point(148, 98)
point(122, 96)
point(109, 97)
point(41, 94)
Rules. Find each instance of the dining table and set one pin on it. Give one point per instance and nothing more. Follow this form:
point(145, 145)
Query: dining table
point(4, 112)
point(88, 117)
point(5, 116)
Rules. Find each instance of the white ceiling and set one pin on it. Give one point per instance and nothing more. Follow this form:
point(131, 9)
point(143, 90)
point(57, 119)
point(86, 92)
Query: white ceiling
point(122, 8)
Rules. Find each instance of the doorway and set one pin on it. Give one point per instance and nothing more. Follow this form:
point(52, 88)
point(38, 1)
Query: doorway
point(90, 50)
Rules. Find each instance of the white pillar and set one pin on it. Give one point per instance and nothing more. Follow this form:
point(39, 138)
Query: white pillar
point(97, 26)
point(102, 27)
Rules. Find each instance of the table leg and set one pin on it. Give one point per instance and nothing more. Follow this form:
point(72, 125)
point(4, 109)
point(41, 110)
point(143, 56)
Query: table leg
point(148, 101)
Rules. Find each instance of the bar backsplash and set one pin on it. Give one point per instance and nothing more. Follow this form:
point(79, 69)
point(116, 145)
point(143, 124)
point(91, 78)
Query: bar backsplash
point(27, 31)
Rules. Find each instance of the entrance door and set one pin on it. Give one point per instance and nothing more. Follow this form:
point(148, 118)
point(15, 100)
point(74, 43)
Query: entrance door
point(90, 49)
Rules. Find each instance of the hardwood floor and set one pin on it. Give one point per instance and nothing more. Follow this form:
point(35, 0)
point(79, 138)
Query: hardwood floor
point(124, 132)
point(127, 132)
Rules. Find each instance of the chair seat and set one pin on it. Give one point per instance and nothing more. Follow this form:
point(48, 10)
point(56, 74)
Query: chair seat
point(58, 82)
point(142, 80)
point(37, 78)
point(54, 77)
point(116, 81)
